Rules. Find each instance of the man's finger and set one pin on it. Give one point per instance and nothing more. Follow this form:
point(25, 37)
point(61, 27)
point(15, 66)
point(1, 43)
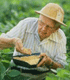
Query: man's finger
point(17, 48)
point(42, 62)
point(42, 55)
point(27, 51)
point(21, 49)
point(20, 44)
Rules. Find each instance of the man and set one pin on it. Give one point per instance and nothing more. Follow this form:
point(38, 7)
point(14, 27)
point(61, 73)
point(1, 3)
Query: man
point(42, 35)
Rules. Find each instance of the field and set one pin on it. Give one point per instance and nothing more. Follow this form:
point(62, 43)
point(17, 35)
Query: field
point(11, 12)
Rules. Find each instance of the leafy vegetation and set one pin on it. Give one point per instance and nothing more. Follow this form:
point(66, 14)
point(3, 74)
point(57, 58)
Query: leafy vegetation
point(11, 12)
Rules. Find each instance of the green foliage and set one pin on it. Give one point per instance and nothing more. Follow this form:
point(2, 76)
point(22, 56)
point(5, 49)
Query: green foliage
point(2, 71)
point(11, 12)
point(13, 73)
point(63, 73)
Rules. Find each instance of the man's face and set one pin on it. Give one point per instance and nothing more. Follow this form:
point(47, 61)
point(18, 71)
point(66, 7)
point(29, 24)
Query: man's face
point(46, 27)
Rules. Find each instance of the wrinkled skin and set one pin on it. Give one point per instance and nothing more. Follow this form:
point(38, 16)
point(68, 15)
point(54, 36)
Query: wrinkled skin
point(46, 27)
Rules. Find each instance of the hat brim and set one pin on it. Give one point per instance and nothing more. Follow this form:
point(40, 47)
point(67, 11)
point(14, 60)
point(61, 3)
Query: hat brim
point(39, 12)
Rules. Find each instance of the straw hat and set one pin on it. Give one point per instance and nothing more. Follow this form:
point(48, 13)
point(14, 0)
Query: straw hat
point(53, 11)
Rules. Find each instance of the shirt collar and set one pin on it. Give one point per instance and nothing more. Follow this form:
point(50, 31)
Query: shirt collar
point(56, 36)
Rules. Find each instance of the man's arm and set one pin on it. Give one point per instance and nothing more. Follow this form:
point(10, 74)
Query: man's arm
point(13, 38)
point(56, 65)
point(13, 42)
point(6, 42)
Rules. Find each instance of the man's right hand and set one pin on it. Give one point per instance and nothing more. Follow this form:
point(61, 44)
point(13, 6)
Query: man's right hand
point(19, 46)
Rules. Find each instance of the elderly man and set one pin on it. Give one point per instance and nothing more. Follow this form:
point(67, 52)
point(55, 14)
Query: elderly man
point(42, 35)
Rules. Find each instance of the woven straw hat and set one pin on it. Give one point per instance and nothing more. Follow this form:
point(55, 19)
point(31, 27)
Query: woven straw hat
point(53, 11)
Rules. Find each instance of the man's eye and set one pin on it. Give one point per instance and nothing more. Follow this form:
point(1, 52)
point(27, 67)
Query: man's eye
point(51, 27)
point(47, 26)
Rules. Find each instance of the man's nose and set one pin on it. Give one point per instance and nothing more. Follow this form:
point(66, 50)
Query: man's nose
point(44, 28)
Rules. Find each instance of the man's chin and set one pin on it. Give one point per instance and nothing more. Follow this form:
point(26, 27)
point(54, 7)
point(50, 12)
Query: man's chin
point(42, 38)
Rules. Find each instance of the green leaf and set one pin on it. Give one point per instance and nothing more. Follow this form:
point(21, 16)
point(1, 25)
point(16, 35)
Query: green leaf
point(63, 73)
point(59, 69)
point(2, 68)
point(66, 78)
point(11, 64)
point(6, 50)
point(2, 76)
point(0, 33)
point(6, 61)
point(14, 73)
point(48, 78)
point(51, 76)
point(2, 71)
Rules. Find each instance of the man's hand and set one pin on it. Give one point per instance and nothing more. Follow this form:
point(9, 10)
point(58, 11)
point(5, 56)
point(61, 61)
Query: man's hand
point(19, 46)
point(45, 61)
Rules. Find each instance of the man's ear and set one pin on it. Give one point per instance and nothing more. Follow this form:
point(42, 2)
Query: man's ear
point(57, 28)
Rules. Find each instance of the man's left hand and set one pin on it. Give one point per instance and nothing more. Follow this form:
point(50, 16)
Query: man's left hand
point(45, 61)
